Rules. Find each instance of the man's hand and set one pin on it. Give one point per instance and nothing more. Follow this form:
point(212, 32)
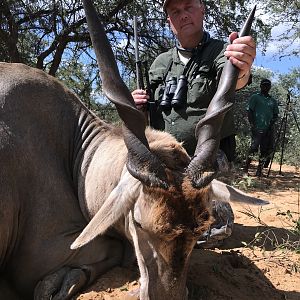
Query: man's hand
point(140, 98)
point(241, 52)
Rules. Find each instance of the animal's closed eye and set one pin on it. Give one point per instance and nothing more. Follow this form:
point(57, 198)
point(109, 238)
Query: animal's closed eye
point(137, 224)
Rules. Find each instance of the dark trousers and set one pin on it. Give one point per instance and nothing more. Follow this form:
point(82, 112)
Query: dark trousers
point(262, 141)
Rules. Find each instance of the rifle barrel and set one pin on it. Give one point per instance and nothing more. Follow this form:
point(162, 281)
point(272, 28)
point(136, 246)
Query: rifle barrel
point(138, 66)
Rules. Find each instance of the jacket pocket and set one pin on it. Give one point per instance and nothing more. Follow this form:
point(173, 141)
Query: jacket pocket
point(202, 86)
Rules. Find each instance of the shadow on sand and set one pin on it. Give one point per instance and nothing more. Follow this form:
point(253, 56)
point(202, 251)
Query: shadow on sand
point(230, 276)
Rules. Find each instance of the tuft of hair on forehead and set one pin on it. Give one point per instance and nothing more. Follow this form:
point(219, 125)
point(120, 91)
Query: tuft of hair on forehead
point(177, 211)
point(167, 149)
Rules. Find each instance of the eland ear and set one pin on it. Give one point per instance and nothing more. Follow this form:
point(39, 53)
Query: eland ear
point(119, 202)
point(224, 192)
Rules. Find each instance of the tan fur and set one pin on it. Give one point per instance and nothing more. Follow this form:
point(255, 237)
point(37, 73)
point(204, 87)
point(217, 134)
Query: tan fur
point(168, 149)
point(173, 213)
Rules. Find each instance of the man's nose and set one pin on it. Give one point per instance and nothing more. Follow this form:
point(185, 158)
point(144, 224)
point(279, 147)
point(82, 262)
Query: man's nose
point(183, 15)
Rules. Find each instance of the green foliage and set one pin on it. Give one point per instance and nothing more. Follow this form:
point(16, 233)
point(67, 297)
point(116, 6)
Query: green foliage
point(242, 144)
point(81, 79)
point(108, 113)
point(269, 238)
point(53, 36)
point(44, 34)
point(286, 14)
point(245, 183)
point(292, 219)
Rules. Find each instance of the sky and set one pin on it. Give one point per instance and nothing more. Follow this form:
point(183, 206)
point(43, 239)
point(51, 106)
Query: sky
point(274, 64)
point(271, 59)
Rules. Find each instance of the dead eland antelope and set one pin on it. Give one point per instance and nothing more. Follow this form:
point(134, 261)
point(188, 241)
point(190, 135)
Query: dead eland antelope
point(67, 176)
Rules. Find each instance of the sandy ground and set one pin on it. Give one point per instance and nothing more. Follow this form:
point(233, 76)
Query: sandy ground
point(257, 262)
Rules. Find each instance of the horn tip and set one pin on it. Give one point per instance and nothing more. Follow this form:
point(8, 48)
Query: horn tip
point(77, 244)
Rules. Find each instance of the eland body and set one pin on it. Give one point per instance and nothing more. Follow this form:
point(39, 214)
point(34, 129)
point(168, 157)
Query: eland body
point(77, 194)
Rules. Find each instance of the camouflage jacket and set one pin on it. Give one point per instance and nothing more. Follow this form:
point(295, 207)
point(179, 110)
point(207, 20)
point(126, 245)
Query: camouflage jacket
point(202, 77)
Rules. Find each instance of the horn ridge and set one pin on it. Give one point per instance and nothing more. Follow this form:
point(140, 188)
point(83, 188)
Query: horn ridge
point(142, 164)
point(208, 129)
point(113, 86)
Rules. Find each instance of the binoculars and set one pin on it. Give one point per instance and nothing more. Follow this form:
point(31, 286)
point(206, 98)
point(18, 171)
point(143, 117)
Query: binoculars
point(175, 94)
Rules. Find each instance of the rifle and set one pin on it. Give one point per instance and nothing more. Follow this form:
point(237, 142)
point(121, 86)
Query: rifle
point(138, 63)
point(139, 77)
point(151, 105)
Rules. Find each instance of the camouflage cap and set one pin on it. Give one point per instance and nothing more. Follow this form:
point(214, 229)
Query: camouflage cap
point(166, 2)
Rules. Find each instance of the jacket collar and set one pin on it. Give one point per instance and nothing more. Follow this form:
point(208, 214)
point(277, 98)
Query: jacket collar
point(205, 39)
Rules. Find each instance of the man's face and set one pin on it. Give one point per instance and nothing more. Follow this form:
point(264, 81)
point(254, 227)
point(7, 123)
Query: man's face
point(186, 18)
point(265, 88)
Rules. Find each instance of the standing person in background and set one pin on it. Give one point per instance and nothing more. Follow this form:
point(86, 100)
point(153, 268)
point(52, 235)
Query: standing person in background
point(262, 114)
point(193, 67)
point(184, 80)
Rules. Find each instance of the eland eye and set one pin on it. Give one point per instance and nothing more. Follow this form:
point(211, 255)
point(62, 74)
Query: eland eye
point(137, 224)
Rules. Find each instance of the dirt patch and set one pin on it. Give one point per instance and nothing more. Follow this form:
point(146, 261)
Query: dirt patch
point(257, 262)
